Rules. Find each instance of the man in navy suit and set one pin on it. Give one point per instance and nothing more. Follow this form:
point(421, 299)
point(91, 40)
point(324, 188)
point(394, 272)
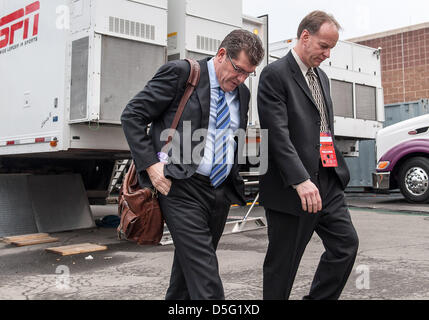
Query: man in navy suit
point(195, 196)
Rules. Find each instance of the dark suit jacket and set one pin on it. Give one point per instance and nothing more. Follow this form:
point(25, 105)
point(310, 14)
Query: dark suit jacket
point(157, 105)
point(287, 109)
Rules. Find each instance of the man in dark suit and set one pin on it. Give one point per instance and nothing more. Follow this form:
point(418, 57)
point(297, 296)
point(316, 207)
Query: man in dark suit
point(201, 180)
point(303, 189)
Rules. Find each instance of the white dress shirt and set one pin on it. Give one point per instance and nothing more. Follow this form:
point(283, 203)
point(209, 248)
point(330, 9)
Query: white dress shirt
point(233, 102)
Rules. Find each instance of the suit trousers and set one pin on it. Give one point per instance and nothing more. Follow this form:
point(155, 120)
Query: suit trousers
point(289, 235)
point(195, 214)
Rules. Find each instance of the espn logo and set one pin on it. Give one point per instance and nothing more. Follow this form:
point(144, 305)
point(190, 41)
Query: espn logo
point(20, 19)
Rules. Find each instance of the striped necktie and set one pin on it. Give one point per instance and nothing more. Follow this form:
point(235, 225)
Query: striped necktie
point(223, 121)
point(316, 91)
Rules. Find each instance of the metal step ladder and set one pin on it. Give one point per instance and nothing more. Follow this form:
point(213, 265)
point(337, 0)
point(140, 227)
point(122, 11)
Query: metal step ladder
point(119, 171)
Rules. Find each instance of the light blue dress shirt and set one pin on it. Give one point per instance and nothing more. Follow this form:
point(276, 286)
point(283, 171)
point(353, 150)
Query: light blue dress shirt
point(233, 102)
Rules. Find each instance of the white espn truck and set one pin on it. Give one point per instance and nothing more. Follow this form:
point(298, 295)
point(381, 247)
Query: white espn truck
point(357, 94)
point(68, 68)
point(72, 66)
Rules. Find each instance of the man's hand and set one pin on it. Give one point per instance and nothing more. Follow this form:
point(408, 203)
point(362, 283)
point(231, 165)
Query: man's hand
point(159, 181)
point(310, 196)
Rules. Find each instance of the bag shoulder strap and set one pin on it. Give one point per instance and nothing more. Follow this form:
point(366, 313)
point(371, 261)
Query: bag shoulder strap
point(193, 80)
point(191, 84)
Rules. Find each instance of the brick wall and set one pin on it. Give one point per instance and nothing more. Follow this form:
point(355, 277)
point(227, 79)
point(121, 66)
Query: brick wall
point(404, 64)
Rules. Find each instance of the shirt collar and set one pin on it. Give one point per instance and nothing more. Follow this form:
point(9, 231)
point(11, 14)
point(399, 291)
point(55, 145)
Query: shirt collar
point(301, 64)
point(212, 74)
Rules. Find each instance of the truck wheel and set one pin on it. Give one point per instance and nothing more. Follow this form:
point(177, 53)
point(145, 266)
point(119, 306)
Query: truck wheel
point(413, 180)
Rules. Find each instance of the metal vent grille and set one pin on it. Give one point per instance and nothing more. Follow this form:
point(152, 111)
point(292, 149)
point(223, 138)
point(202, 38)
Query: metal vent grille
point(342, 98)
point(131, 28)
point(126, 66)
point(197, 56)
point(366, 101)
point(174, 57)
point(208, 44)
point(79, 80)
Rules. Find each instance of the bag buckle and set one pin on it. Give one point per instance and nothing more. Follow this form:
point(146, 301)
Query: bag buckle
point(154, 192)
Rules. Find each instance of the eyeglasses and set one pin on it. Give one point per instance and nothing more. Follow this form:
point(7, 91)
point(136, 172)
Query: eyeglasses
point(239, 70)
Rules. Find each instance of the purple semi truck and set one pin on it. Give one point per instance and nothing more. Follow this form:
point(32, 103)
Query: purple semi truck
point(403, 159)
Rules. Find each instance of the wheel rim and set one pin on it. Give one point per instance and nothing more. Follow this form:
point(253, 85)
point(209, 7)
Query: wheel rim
point(416, 181)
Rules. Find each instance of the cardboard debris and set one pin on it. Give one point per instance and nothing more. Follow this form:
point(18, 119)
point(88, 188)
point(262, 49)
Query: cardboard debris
point(76, 249)
point(30, 239)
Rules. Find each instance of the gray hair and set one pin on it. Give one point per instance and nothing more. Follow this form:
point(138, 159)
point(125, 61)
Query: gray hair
point(314, 20)
point(243, 40)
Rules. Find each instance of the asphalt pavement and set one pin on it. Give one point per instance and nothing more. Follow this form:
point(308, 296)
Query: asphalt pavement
point(392, 262)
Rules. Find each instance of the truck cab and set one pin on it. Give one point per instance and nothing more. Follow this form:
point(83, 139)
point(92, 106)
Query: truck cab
point(403, 159)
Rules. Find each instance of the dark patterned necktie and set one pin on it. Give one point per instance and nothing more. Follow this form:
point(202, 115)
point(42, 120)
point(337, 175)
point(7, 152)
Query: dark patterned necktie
point(316, 91)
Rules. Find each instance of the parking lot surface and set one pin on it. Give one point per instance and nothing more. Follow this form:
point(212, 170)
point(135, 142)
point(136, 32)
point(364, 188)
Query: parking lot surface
point(392, 262)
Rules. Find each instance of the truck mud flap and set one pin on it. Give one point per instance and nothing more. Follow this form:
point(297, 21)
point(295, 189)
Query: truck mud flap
point(16, 211)
point(45, 203)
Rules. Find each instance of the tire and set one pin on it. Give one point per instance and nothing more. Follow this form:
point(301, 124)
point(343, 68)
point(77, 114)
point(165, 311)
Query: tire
point(414, 180)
